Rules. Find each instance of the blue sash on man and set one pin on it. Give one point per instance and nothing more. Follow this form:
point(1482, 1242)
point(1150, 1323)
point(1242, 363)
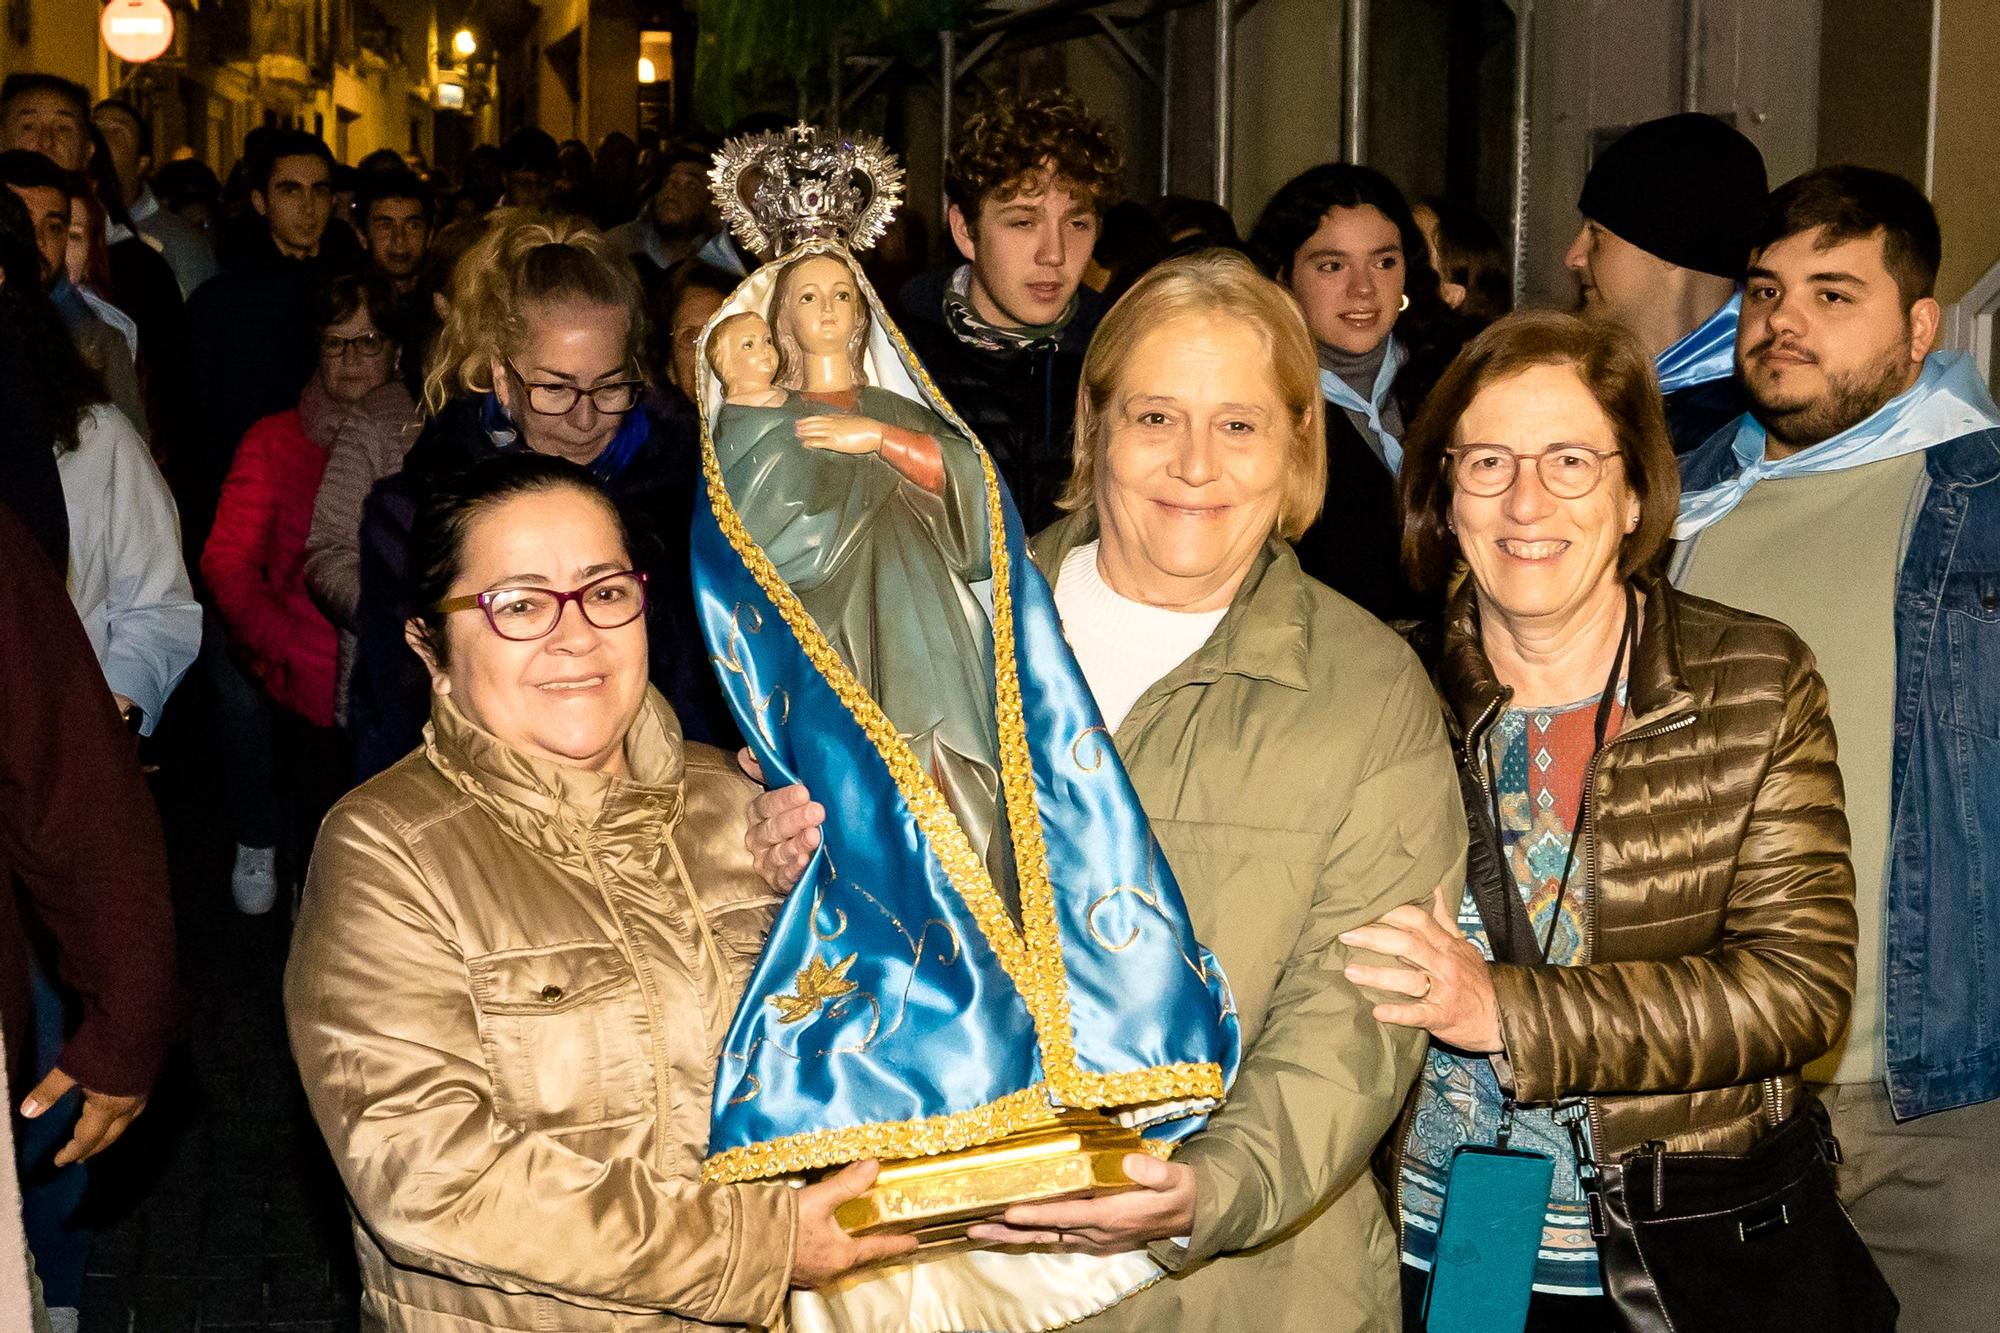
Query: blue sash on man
point(1949, 400)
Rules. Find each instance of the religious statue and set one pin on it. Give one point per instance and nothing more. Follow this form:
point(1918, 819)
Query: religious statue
point(986, 977)
point(873, 510)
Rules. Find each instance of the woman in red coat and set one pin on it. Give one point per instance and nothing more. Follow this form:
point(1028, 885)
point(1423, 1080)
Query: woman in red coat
point(254, 563)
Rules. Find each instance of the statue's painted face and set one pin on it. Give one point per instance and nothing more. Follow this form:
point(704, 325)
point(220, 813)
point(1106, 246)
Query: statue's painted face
point(745, 357)
point(820, 301)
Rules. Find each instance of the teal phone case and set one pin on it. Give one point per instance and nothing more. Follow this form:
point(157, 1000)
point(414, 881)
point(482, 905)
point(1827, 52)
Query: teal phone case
point(1494, 1203)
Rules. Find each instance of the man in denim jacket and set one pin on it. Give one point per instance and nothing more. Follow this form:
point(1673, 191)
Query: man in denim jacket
point(1859, 502)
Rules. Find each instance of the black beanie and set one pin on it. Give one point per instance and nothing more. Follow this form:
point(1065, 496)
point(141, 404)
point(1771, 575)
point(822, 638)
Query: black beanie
point(1687, 188)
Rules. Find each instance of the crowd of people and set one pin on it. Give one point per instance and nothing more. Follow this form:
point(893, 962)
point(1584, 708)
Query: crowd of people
point(1478, 670)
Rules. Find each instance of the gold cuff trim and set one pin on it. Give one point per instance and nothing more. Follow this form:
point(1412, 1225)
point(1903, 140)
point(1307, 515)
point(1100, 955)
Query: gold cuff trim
point(897, 1140)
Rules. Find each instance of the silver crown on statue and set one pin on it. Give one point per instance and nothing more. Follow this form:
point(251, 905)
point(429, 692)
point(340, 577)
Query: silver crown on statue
point(779, 191)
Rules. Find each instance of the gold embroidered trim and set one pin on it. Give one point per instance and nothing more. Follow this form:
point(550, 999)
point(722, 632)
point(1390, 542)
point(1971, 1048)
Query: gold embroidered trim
point(901, 1139)
point(1033, 964)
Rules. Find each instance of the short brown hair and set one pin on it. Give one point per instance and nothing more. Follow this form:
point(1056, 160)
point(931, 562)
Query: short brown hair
point(1006, 147)
point(1619, 375)
point(1852, 203)
point(1226, 284)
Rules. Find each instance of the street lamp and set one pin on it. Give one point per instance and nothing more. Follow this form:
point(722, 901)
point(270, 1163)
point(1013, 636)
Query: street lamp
point(463, 43)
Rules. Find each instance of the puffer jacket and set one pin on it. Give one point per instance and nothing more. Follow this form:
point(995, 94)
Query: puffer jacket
point(1718, 898)
point(506, 995)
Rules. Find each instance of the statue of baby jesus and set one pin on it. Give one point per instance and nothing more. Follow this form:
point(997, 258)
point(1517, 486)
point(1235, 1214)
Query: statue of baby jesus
point(744, 358)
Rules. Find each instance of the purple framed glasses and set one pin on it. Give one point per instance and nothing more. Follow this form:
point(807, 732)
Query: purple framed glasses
point(524, 614)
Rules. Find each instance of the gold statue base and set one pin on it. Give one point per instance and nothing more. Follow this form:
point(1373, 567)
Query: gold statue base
point(1073, 1155)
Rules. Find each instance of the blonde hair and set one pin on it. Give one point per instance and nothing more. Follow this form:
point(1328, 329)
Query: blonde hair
point(525, 259)
point(791, 356)
point(1224, 284)
point(721, 333)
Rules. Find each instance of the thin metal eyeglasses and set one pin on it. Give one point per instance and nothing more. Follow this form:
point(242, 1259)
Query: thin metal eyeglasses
point(559, 400)
point(366, 344)
point(522, 615)
point(1567, 471)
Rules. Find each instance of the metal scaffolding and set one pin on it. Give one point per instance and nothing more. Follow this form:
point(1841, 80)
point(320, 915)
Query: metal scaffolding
point(1027, 23)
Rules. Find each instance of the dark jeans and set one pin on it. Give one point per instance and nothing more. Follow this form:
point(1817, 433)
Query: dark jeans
point(51, 1195)
point(315, 768)
point(243, 730)
point(1546, 1314)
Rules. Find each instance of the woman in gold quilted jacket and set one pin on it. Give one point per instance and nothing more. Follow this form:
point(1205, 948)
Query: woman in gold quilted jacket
point(518, 952)
point(1658, 923)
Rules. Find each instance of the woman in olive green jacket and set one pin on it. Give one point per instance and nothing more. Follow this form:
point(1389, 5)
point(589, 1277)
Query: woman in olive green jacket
point(1288, 750)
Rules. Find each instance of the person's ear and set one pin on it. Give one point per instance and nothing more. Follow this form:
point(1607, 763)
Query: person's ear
point(258, 202)
point(1925, 317)
point(961, 233)
point(417, 635)
point(503, 388)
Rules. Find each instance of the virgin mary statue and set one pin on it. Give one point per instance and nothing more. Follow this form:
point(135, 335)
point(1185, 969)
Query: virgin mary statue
point(986, 976)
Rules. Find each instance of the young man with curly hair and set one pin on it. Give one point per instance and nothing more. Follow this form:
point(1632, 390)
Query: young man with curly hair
point(1004, 333)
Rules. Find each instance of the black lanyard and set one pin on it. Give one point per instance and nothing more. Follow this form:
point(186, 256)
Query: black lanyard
point(1605, 703)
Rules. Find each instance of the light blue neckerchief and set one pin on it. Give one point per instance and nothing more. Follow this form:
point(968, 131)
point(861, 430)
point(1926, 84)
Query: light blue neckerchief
point(1336, 390)
point(717, 252)
point(1948, 400)
point(1707, 353)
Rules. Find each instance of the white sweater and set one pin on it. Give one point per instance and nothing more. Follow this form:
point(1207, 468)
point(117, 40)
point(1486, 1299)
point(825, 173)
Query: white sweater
point(1123, 646)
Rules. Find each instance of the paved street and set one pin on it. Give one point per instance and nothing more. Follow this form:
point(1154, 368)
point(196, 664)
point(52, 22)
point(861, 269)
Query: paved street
point(220, 1210)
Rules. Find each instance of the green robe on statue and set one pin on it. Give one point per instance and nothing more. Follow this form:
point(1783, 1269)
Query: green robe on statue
point(884, 567)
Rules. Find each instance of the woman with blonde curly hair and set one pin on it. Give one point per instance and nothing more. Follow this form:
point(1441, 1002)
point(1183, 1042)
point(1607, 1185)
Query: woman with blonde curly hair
point(541, 352)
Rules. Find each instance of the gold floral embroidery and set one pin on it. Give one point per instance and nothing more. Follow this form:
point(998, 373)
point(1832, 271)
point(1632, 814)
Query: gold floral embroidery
point(813, 987)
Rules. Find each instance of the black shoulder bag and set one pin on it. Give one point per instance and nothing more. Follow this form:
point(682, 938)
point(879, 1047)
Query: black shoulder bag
point(1693, 1241)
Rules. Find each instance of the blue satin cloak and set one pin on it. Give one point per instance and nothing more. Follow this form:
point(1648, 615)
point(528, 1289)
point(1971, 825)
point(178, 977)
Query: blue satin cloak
point(910, 1036)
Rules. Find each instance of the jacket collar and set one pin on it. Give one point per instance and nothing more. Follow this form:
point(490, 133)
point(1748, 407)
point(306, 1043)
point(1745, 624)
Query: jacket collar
point(1656, 685)
point(1267, 631)
point(551, 806)
point(1969, 460)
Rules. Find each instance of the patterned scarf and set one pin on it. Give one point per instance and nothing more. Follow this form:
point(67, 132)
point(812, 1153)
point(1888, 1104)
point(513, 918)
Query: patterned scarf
point(969, 328)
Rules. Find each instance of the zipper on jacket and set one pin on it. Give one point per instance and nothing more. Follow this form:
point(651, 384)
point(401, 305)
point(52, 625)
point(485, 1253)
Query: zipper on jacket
point(1774, 1101)
point(1475, 736)
point(1593, 1113)
point(655, 1017)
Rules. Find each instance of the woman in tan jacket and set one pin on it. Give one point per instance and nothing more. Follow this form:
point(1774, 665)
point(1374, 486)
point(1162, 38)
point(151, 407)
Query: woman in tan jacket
point(518, 952)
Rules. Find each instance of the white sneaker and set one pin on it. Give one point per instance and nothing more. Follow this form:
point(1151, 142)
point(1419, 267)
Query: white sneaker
point(254, 882)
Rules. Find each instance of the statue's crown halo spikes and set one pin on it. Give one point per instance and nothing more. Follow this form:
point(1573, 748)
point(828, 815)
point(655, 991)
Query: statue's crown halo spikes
point(778, 191)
